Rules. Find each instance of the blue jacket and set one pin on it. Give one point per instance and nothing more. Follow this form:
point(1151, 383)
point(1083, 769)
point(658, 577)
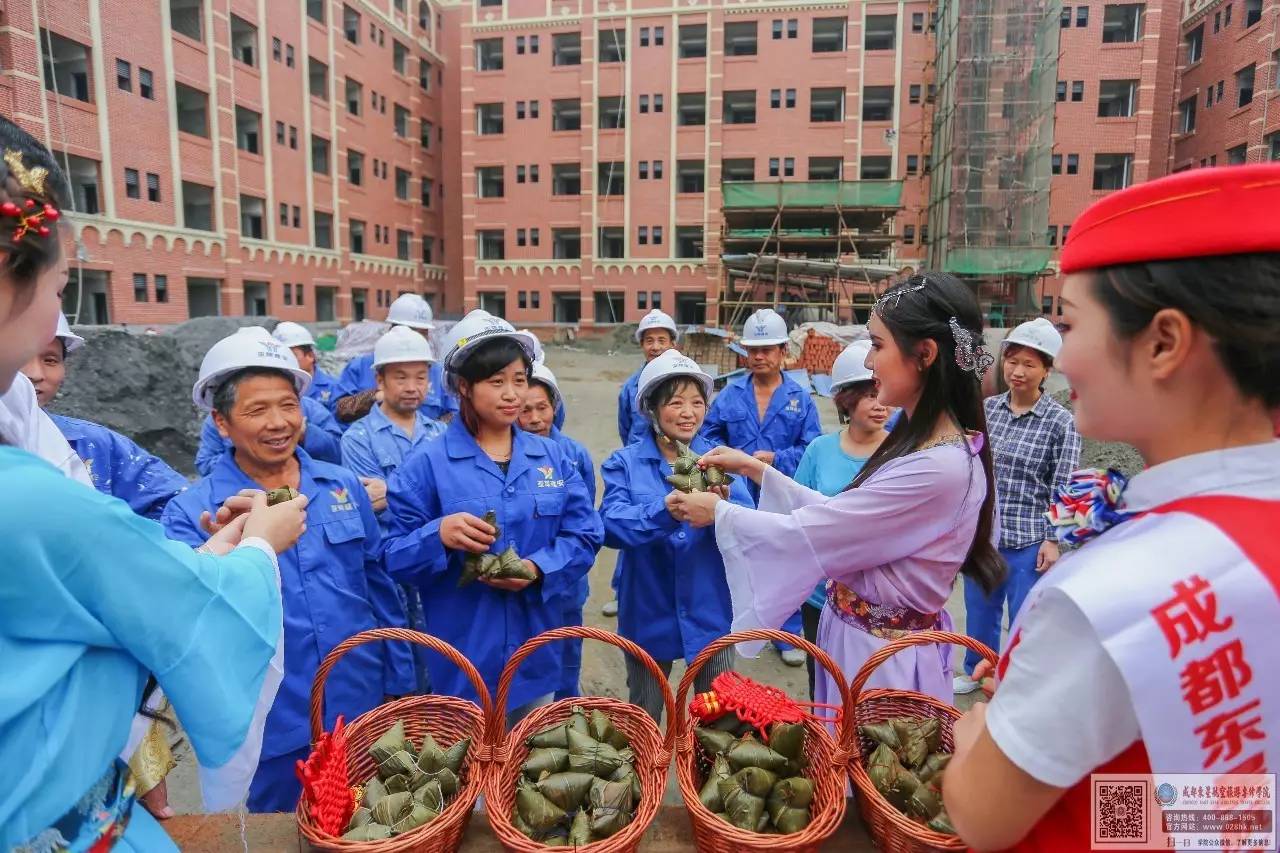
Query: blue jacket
point(121, 468)
point(374, 447)
point(543, 511)
point(333, 587)
point(789, 424)
point(320, 442)
point(575, 451)
point(359, 376)
point(323, 389)
point(632, 423)
point(672, 596)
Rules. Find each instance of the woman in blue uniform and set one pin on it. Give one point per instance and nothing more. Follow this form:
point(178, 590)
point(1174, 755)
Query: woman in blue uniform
point(80, 631)
point(440, 494)
point(672, 595)
point(542, 403)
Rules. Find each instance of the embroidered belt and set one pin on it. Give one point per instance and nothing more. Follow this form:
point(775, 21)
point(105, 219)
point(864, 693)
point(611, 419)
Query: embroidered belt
point(878, 620)
point(96, 822)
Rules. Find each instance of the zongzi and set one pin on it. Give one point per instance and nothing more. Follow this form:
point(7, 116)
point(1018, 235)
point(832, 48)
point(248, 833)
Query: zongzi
point(431, 758)
point(360, 817)
point(545, 760)
point(535, 810)
point(925, 801)
point(511, 567)
point(611, 808)
point(891, 779)
point(368, 832)
point(749, 752)
point(756, 781)
point(374, 790)
point(456, 755)
point(742, 809)
point(787, 739)
point(600, 727)
point(280, 495)
point(627, 773)
point(715, 742)
point(567, 790)
point(710, 793)
point(881, 733)
point(391, 742)
point(588, 755)
point(580, 831)
point(933, 765)
point(400, 763)
point(392, 808)
point(941, 822)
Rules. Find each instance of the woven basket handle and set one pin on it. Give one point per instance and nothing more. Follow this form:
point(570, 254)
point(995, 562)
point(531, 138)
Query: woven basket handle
point(497, 722)
point(844, 738)
point(374, 635)
point(918, 638)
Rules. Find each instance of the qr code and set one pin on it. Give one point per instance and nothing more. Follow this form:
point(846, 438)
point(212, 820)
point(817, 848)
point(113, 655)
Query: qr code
point(1122, 811)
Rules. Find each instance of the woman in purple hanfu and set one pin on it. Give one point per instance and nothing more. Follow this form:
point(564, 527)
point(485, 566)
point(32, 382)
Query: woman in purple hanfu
point(920, 512)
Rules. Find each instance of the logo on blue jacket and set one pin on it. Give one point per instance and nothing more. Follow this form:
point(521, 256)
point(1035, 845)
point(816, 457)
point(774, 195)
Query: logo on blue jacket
point(342, 500)
point(548, 480)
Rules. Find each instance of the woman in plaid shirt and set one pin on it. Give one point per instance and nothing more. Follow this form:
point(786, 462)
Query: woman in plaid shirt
point(1036, 447)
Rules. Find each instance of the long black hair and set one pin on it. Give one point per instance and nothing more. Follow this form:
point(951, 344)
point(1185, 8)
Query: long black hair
point(25, 259)
point(487, 359)
point(922, 308)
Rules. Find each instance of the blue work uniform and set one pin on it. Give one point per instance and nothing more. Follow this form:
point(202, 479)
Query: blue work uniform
point(543, 511)
point(672, 597)
point(334, 586)
point(120, 468)
point(95, 599)
point(569, 683)
point(632, 423)
point(321, 440)
point(359, 376)
point(789, 424)
point(323, 389)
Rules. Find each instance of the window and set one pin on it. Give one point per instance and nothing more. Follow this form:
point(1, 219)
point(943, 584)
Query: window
point(288, 293)
point(826, 105)
point(566, 114)
point(566, 243)
point(774, 167)
point(566, 49)
point(611, 178)
point(1073, 164)
point(197, 206)
point(877, 103)
point(284, 214)
point(65, 64)
point(315, 10)
point(693, 41)
point(1112, 171)
point(913, 93)
point(403, 239)
point(277, 48)
point(689, 241)
point(323, 226)
point(317, 78)
point(659, 36)
point(875, 168)
point(742, 169)
point(319, 155)
point(1208, 97)
point(644, 36)
point(642, 169)
point(825, 168)
point(917, 22)
point(881, 32)
point(490, 245)
point(244, 41)
point(533, 44)
point(519, 47)
point(146, 84)
point(691, 109)
point(1187, 115)
point(428, 249)
point(924, 234)
point(690, 176)
point(402, 184)
point(642, 235)
point(788, 167)
point(1053, 235)
point(1117, 98)
point(775, 99)
point(612, 114)
point(124, 75)
point(297, 216)
point(1064, 20)
point(488, 119)
point(657, 235)
point(402, 122)
point(1082, 16)
point(424, 75)
point(1194, 42)
point(162, 288)
point(355, 97)
point(140, 287)
point(740, 38)
point(153, 186)
point(1062, 90)
point(1226, 16)
point(909, 235)
point(644, 103)
point(187, 18)
point(913, 164)
point(279, 133)
point(1077, 90)
point(657, 170)
point(248, 130)
point(193, 110)
point(793, 28)
point(489, 182)
point(1236, 156)
point(399, 57)
point(83, 175)
point(777, 28)
point(1244, 84)
point(613, 45)
point(355, 231)
point(791, 99)
point(612, 243)
point(1252, 12)
point(489, 54)
point(658, 103)
point(355, 167)
point(1056, 167)
point(1217, 22)
point(1219, 95)
point(520, 174)
point(1272, 141)
point(428, 187)
point(828, 33)
point(566, 179)
point(1122, 22)
point(425, 132)
point(253, 212)
point(740, 107)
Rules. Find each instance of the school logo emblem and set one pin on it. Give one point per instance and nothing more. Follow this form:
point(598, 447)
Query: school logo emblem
point(549, 480)
point(341, 500)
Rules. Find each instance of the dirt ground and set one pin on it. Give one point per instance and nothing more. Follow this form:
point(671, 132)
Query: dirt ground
point(590, 378)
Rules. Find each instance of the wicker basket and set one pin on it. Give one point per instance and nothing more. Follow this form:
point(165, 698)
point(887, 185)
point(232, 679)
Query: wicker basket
point(652, 749)
point(446, 718)
point(828, 763)
point(893, 831)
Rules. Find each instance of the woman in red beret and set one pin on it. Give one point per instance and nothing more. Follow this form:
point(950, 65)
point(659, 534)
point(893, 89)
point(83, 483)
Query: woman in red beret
point(1152, 648)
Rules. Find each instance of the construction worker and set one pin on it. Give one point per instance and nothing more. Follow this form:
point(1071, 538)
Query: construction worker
point(656, 334)
point(766, 415)
point(296, 337)
point(357, 386)
point(320, 438)
point(332, 579)
point(542, 403)
point(116, 465)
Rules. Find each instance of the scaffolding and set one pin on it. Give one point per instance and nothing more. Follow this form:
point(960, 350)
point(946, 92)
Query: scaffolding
point(817, 249)
point(997, 69)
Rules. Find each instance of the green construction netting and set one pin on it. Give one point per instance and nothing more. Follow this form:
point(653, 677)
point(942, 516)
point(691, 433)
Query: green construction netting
point(783, 233)
point(997, 260)
point(754, 194)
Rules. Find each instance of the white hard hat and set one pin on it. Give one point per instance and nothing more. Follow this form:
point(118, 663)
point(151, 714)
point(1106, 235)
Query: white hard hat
point(400, 345)
point(70, 340)
point(476, 328)
point(543, 374)
point(293, 335)
point(670, 363)
point(251, 346)
point(851, 366)
point(764, 328)
point(1039, 334)
point(539, 355)
point(656, 319)
point(410, 310)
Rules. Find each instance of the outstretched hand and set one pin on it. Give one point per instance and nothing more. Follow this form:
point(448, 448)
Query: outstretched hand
point(734, 462)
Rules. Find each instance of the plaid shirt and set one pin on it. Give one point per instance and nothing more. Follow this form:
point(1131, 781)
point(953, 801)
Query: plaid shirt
point(1034, 453)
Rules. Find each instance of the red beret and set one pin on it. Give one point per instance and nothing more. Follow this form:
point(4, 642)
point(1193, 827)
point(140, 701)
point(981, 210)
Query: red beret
point(1230, 210)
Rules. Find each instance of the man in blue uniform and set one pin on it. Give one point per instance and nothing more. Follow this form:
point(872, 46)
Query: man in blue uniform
point(656, 334)
point(357, 390)
point(323, 385)
point(766, 414)
point(332, 579)
point(117, 465)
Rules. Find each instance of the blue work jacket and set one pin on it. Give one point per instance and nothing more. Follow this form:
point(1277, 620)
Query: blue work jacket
point(374, 447)
point(587, 471)
point(121, 468)
point(359, 376)
point(789, 424)
point(321, 440)
point(632, 423)
point(672, 596)
point(333, 586)
point(543, 511)
point(323, 389)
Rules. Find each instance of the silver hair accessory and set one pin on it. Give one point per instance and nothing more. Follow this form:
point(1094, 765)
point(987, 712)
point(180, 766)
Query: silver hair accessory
point(970, 356)
point(897, 295)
